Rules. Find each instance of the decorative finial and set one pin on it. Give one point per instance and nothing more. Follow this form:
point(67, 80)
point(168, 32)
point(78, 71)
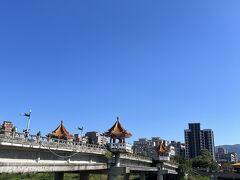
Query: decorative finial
point(117, 118)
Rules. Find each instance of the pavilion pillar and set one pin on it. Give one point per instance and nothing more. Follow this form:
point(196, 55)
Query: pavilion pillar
point(58, 176)
point(117, 159)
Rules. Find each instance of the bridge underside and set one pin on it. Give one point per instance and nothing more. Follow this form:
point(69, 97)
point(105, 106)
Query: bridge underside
point(147, 170)
point(28, 167)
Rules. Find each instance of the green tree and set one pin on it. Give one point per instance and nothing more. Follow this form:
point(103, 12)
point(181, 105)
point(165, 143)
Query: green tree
point(108, 154)
point(184, 167)
point(204, 160)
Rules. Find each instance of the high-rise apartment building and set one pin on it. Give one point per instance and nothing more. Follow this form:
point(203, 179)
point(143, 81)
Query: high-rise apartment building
point(192, 140)
point(197, 139)
point(208, 141)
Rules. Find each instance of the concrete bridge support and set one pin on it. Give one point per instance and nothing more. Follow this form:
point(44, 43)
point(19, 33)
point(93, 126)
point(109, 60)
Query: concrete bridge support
point(58, 176)
point(84, 176)
point(160, 171)
point(126, 176)
point(117, 159)
point(159, 175)
point(116, 171)
point(142, 176)
point(114, 177)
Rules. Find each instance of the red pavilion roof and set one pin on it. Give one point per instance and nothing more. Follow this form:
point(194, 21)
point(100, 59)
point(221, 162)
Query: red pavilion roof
point(61, 132)
point(162, 149)
point(117, 131)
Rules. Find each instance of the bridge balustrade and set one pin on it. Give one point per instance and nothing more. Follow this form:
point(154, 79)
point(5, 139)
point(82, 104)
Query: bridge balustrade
point(61, 144)
point(45, 142)
point(121, 147)
point(162, 158)
point(136, 157)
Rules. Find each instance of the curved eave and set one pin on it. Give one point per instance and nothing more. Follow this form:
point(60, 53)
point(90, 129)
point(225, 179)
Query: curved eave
point(117, 134)
point(69, 136)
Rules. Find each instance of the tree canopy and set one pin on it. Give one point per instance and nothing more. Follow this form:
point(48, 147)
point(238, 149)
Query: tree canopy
point(204, 160)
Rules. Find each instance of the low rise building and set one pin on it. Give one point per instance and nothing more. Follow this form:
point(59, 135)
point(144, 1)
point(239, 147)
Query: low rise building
point(222, 156)
point(148, 147)
point(96, 138)
point(179, 148)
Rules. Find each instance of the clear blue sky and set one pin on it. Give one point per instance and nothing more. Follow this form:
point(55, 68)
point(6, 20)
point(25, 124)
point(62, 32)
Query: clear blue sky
point(158, 65)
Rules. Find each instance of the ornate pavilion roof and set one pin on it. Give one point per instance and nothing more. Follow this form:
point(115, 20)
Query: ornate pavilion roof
point(162, 149)
point(117, 131)
point(61, 132)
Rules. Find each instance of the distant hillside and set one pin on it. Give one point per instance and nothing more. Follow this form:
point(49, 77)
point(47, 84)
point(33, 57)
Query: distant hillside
point(231, 148)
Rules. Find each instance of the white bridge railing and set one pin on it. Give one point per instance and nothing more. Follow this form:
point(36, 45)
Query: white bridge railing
point(19, 139)
point(122, 147)
point(136, 157)
point(162, 158)
point(34, 141)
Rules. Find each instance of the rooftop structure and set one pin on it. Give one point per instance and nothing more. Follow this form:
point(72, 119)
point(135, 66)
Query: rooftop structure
point(162, 149)
point(163, 153)
point(117, 132)
point(61, 133)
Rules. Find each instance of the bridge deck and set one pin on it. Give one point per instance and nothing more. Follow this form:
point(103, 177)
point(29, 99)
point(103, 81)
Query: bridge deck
point(19, 154)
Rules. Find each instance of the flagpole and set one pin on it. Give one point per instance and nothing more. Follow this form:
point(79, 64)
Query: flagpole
point(81, 132)
point(27, 130)
point(28, 123)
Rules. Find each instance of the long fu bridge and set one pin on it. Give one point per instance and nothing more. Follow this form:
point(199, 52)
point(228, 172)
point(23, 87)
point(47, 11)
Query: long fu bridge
point(21, 154)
